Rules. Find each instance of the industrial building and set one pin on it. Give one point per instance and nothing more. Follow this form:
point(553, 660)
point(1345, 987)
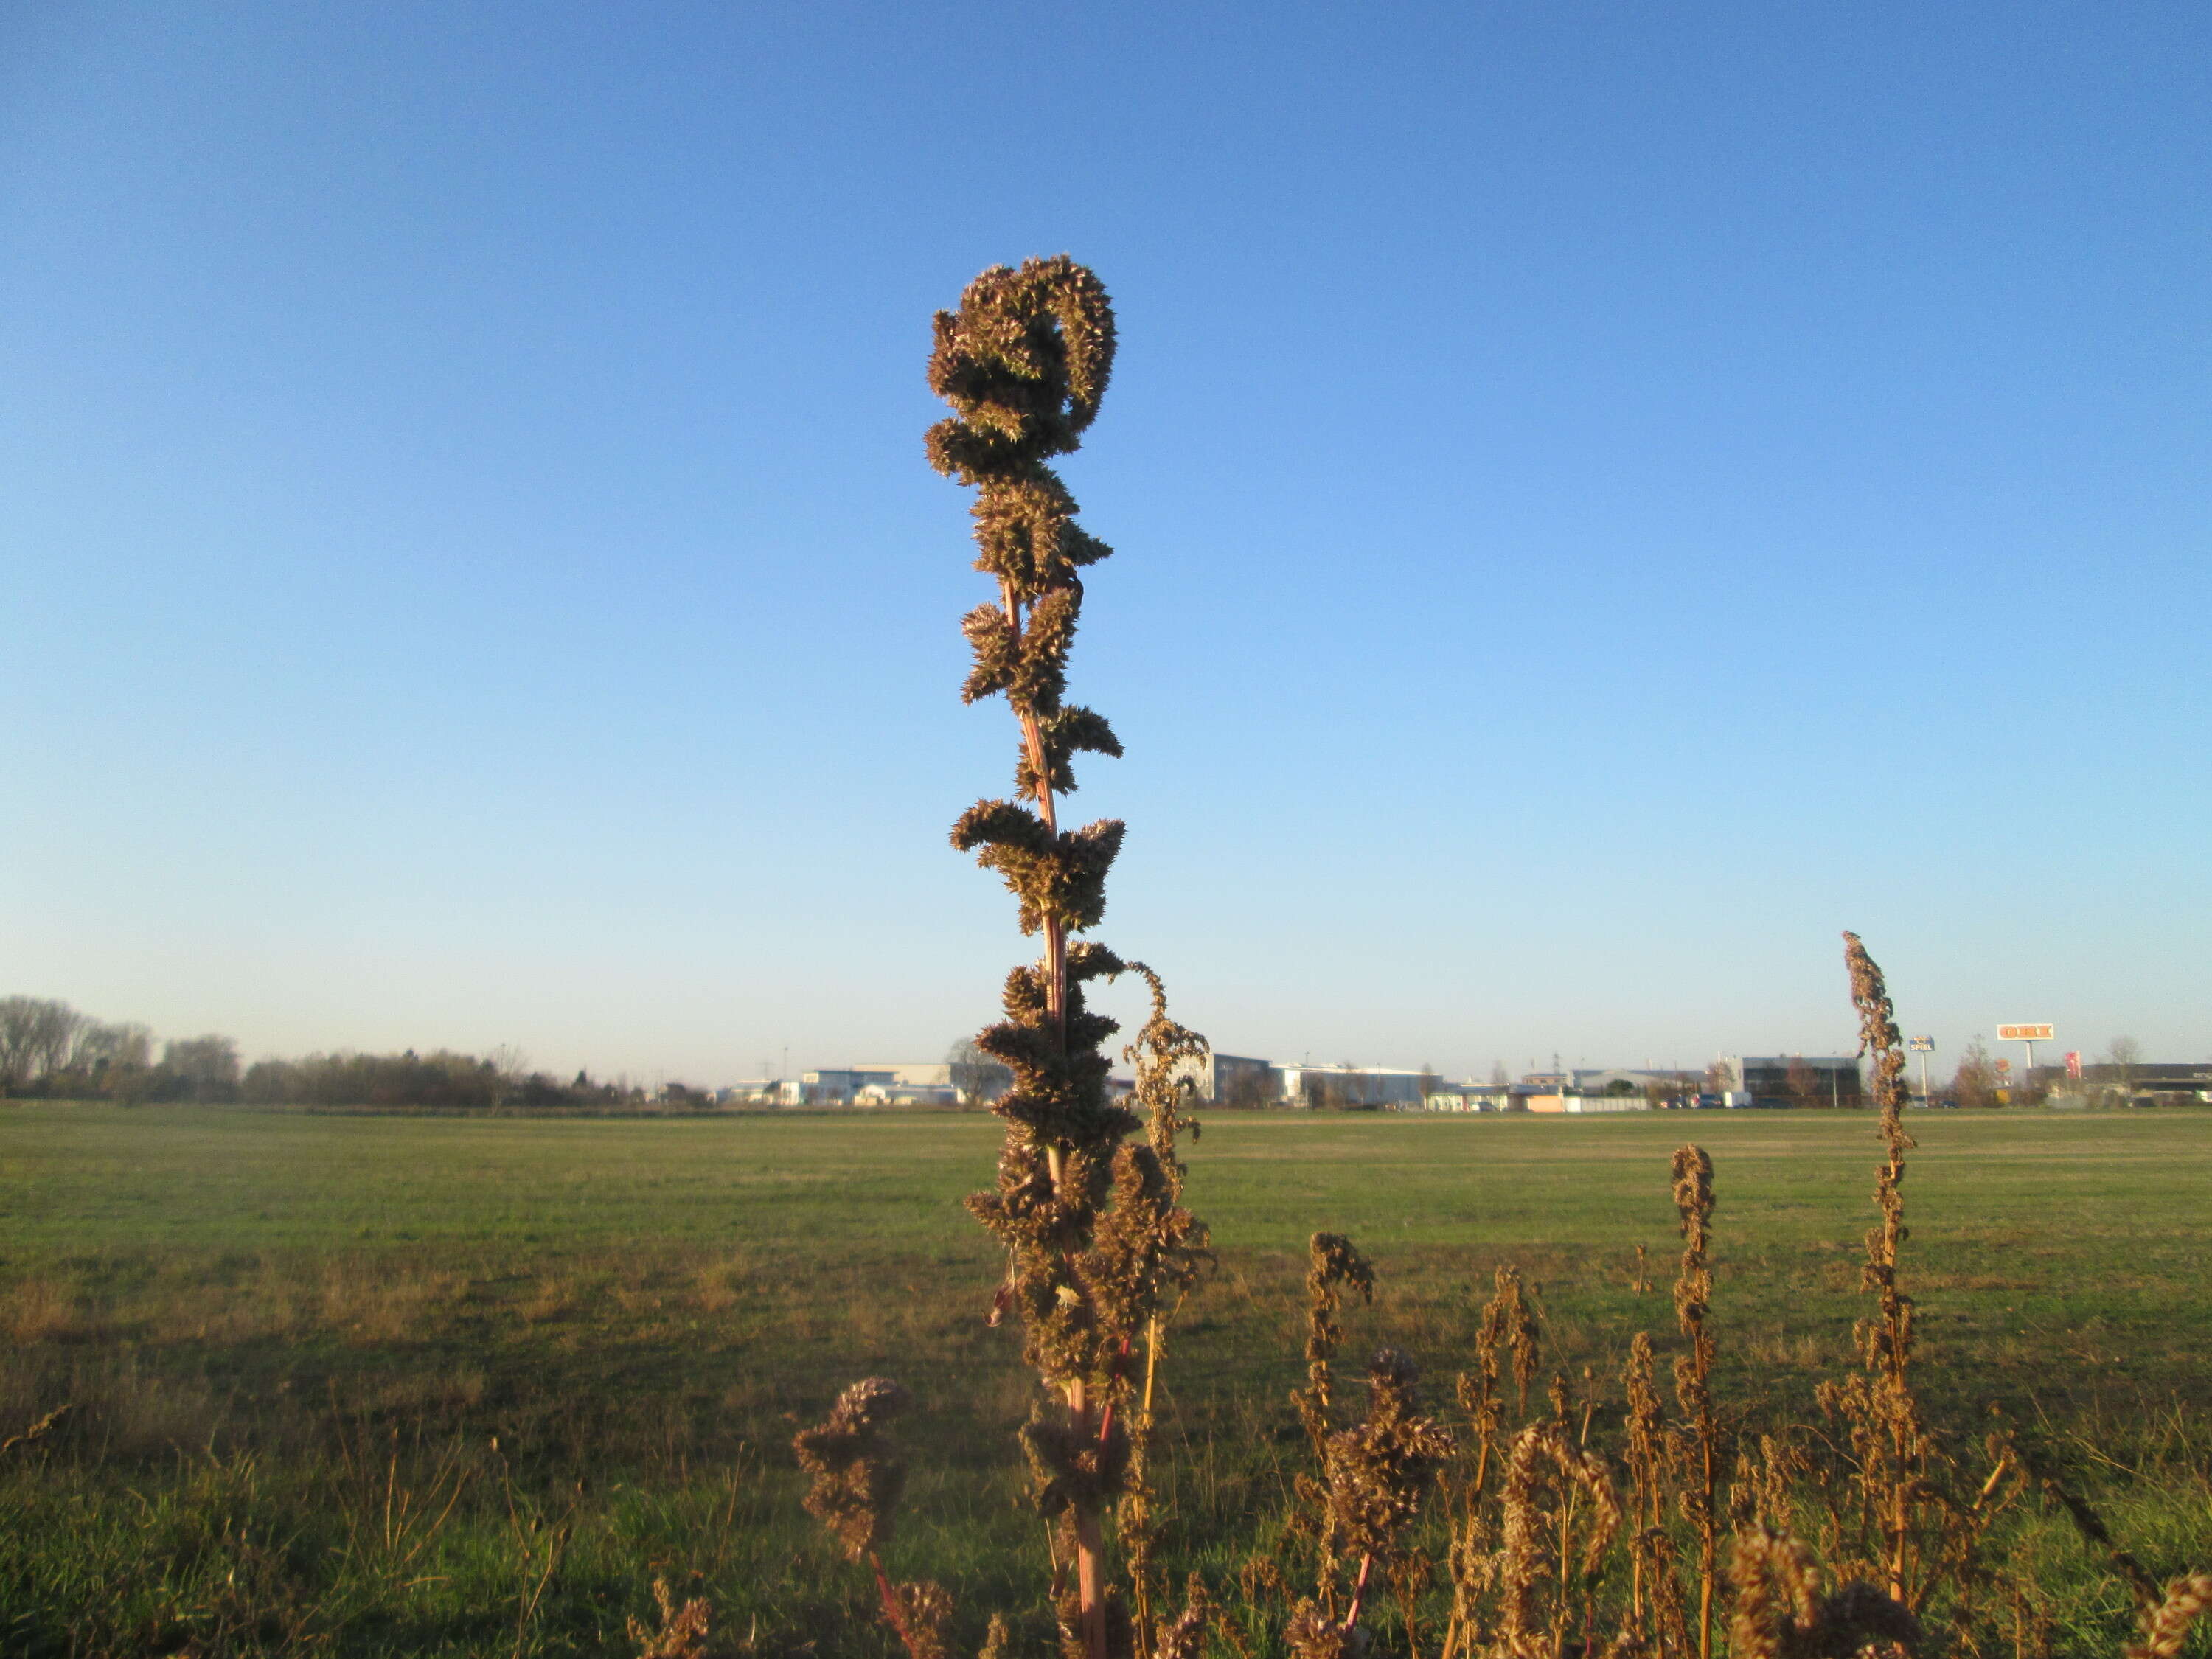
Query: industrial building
point(1771, 1080)
point(1244, 1080)
point(1232, 1080)
point(892, 1083)
point(1354, 1086)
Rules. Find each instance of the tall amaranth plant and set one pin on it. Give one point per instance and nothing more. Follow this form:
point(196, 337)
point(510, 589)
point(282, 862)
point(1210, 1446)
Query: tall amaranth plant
point(1092, 1224)
point(1888, 1436)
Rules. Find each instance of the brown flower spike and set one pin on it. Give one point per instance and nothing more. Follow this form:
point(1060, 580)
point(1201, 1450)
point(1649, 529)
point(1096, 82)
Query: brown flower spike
point(1094, 1232)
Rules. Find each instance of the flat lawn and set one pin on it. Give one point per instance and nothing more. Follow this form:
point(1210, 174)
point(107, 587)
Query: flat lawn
point(652, 1307)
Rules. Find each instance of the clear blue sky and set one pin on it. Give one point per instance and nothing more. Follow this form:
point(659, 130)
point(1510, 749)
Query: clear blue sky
point(1606, 498)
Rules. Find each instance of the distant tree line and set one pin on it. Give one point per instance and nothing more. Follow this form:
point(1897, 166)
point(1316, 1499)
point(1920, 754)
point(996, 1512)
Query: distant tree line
point(443, 1081)
point(51, 1051)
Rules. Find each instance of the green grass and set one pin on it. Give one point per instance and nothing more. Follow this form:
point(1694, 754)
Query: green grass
point(278, 1328)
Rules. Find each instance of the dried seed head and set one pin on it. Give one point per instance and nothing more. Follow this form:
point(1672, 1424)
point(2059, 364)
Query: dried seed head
point(1071, 1464)
point(1781, 1612)
point(682, 1632)
point(1334, 1260)
point(1312, 1634)
point(1879, 1037)
point(1162, 1055)
point(1186, 1637)
point(1545, 1471)
point(2166, 1627)
point(1777, 1594)
point(857, 1475)
point(1377, 1470)
point(1510, 1322)
point(1645, 1422)
point(1024, 363)
point(1693, 1280)
point(925, 1613)
point(1333, 1265)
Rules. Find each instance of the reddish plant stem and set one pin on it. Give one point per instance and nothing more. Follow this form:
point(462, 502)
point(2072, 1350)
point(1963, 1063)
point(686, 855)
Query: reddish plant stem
point(1090, 1541)
point(1358, 1591)
point(1106, 1417)
point(890, 1602)
point(1090, 1533)
point(1056, 931)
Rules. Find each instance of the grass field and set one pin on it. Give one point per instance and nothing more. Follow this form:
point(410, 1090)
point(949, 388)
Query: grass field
point(373, 1385)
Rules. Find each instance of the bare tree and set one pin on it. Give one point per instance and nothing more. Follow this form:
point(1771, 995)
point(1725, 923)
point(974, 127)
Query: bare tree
point(18, 1024)
point(208, 1065)
point(976, 1078)
point(36, 1034)
point(2123, 1055)
point(1804, 1083)
point(99, 1044)
point(1976, 1083)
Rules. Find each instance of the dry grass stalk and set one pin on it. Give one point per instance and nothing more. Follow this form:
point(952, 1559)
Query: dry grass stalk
point(36, 1431)
point(1657, 1609)
point(1893, 1439)
point(2006, 1446)
point(1156, 1249)
point(1409, 1574)
point(1333, 1266)
point(1693, 1371)
point(1545, 1471)
point(1761, 1493)
point(1260, 1582)
point(1508, 1340)
point(1508, 1318)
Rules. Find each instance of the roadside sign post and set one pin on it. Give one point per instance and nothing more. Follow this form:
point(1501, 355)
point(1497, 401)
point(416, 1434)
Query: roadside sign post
point(1923, 1046)
point(2031, 1035)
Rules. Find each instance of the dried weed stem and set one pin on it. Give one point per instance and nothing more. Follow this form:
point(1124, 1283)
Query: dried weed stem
point(1693, 1371)
point(1093, 1232)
